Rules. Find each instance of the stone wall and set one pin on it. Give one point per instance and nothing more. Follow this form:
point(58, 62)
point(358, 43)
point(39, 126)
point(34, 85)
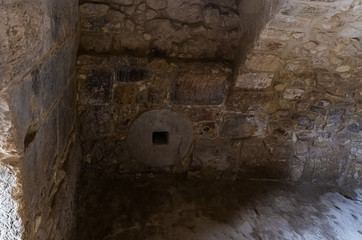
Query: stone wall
point(291, 112)
point(38, 148)
point(253, 17)
point(207, 29)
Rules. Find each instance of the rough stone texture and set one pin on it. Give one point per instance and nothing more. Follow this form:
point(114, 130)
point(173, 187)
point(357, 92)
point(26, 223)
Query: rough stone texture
point(314, 118)
point(198, 29)
point(37, 112)
point(197, 84)
point(296, 97)
point(10, 192)
point(214, 154)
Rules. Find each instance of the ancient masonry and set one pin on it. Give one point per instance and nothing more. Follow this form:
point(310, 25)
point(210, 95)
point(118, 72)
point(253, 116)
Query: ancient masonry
point(253, 88)
point(291, 111)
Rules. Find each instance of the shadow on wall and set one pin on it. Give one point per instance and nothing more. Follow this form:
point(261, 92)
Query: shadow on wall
point(178, 207)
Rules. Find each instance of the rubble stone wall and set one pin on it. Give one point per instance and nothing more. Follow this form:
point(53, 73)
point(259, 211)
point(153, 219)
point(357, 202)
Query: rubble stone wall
point(205, 29)
point(291, 112)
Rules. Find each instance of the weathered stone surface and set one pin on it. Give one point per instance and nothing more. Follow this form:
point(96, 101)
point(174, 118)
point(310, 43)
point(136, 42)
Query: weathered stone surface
point(206, 129)
point(288, 95)
point(252, 102)
point(157, 4)
point(38, 51)
point(292, 94)
point(165, 27)
point(215, 154)
point(254, 152)
point(97, 87)
point(264, 63)
point(125, 94)
point(243, 126)
point(205, 86)
point(126, 74)
point(93, 9)
point(254, 80)
point(96, 122)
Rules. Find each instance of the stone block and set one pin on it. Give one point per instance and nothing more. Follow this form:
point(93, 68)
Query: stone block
point(244, 126)
point(254, 152)
point(202, 114)
point(127, 74)
point(204, 86)
point(123, 115)
point(292, 94)
point(206, 130)
point(264, 63)
point(252, 102)
point(93, 9)
point(97, 87)
point(97, 42)
point(158, 94)
point(157, 4)
point(96, 122)
point(125, 94)
point(215, 154)
point(254, 80)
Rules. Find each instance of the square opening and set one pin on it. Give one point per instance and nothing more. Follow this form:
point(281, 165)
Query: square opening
point(160, 138)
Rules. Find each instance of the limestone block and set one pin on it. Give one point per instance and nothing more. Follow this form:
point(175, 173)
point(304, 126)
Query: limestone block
point(125, 94)
point(181, 11)
point(158, 93)
point(159, 28)
point(204, 86)
point(264, 63)
point(97, 87)
point(211, 16)
point(252, 102)
point(129, 74)
point(243, 126)
point(123, 115)
point(202, 114)
point(157, 4)
point(254, 152)
point(292, 94)
point(96, 42)
point(96, 122)
point(254, 80)
point(219, 155)
point(93, 9)
point(287, 22)
point(206, 129)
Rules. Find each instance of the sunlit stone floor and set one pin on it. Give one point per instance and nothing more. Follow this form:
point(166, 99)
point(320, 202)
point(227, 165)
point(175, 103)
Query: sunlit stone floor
point(194, 207)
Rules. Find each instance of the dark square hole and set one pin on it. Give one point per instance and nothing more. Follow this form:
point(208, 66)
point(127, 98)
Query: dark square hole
point(160, 138)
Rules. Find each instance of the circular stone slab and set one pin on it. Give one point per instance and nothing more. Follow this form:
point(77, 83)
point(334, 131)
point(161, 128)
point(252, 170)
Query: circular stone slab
point(159, 138)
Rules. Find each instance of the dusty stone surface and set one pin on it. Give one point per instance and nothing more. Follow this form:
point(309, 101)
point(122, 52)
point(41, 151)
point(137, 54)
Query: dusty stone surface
point(183, 29)
point(37, 118)
point(295, 97)
point(204, 207)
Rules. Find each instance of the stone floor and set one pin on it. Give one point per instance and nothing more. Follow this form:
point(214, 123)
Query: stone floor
point(209, 207)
